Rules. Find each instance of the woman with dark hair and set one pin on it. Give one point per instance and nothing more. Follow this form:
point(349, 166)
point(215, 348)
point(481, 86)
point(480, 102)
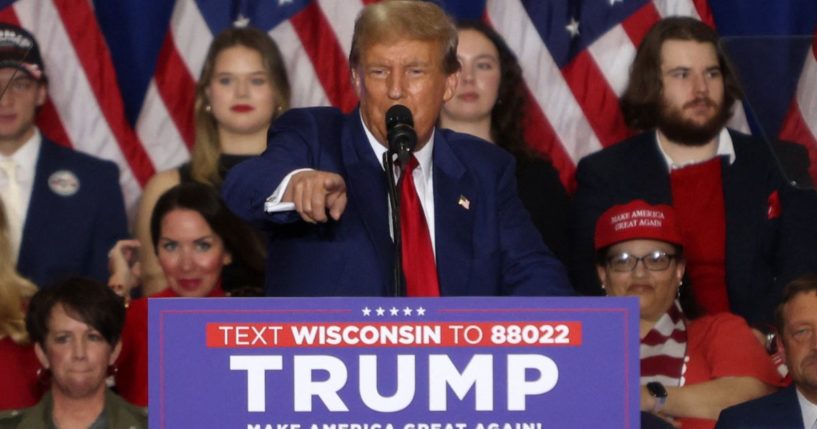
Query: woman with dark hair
point(195, 238)
point(75, 326)
point(18, 366)
point(490, 103)
point(691, 368)
point(242, 89)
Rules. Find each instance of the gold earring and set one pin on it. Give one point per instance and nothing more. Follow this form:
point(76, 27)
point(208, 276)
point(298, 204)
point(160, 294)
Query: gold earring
point(208, 108)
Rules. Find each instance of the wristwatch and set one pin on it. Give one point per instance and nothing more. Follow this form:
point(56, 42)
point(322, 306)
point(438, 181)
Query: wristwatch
point(658, 392)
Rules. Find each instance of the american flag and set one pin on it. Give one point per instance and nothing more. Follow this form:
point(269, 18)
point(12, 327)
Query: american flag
point(122, 72)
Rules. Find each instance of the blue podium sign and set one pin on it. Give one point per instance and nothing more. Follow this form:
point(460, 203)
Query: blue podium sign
point(394, 363)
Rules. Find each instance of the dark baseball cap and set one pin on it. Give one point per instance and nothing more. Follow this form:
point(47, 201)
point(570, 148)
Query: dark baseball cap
point(18, 49)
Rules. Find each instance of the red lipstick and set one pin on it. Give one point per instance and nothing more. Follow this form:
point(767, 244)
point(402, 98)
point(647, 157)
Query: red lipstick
point(189, 285)
point(242, 108)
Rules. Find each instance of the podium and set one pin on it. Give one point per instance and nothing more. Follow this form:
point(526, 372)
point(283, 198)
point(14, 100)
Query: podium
point(394, 363)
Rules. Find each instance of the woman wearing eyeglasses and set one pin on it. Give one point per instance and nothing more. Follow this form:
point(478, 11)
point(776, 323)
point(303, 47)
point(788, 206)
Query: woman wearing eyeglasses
point(691, 368)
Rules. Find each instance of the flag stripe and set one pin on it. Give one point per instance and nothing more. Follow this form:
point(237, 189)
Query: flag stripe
point(541, 137)
point(343, 14)
point(91, 52)
point(573, 86)
point(302, 74)
point(597, 100)
point(639, 23)
point(176, 87)
point(800, 124)
point(79, 110)
point(48, 120)
point(159, 134)
point(544, 78)
point(321, 46)
point(613, 53)
point(797, 129)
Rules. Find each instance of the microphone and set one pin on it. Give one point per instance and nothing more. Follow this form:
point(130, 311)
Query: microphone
point(400, 133)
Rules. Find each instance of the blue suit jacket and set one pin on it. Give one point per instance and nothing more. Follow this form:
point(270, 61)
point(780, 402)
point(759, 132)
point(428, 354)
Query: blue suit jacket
point(780, 410)
point(71, 235)
point(490, 248)
point(762, 254)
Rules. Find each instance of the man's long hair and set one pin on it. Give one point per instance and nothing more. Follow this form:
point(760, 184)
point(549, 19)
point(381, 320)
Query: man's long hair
point(641, 101)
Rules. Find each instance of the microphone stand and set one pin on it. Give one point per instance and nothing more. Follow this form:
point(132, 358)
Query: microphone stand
point(394, 203)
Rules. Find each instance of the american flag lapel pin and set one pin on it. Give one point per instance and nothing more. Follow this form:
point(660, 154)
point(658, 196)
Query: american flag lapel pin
point(464, 202)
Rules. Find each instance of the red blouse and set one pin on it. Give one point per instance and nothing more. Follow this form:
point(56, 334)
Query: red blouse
point(132, 364)
point(19, 387)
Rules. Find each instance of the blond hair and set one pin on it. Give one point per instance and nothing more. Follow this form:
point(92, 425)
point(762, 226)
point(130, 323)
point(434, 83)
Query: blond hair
point(391, 21)
point(206, 151)
point(14, 289)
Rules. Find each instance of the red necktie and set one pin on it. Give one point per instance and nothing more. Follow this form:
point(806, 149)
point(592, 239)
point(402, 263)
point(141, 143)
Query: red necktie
point(418, 256)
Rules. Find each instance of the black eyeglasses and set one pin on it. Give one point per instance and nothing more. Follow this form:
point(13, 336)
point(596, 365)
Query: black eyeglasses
point(654, 261)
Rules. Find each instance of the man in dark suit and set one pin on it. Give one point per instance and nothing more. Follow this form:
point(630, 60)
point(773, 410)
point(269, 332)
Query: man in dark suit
point(65, 209)
point(746, 230)
point(795, 406)
point(327, 165)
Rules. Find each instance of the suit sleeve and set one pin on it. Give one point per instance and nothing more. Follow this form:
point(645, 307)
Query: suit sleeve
point(591, 199)
point(111, 221)
point(528, 267)
point(249, 184)
point(727, 420)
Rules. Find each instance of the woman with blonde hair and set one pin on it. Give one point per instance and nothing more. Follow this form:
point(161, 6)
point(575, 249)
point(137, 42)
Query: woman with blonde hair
point(242, 89)
point(18, 364)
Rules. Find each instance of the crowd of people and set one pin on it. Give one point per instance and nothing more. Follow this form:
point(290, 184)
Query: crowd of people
point(692, 218)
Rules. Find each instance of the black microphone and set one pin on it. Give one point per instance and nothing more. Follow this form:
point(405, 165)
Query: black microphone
point(401, 135)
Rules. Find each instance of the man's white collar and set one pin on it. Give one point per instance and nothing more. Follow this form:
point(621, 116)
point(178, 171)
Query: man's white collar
point(725, 148)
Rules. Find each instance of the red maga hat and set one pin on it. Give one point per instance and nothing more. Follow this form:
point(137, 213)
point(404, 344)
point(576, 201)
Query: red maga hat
point(637, 220)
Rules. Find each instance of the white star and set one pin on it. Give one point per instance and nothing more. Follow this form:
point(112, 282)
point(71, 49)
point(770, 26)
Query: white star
point(394, 311)
point(407, 311)
point(613, 2)
point(241, 21)
point(367, 311)
point(573, 27)
point(283, 2)
point(421, 311)
point(380, 311)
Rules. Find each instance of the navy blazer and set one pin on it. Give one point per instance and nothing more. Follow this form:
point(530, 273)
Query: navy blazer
point(780, 410)
point(67, 235)
point(487, 248)
point(762, 254)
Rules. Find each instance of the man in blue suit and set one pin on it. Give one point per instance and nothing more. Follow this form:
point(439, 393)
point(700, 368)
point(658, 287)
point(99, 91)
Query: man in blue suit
point(65, 209)
point(327, 164)
point(795, 406)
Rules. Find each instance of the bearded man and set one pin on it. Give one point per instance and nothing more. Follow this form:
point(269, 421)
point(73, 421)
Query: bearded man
point(746, 230)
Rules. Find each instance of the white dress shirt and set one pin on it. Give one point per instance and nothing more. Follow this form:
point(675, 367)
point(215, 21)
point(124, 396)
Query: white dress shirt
point(808, 410)
point(26, 160)
point(423, 182)
point(725, 148)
